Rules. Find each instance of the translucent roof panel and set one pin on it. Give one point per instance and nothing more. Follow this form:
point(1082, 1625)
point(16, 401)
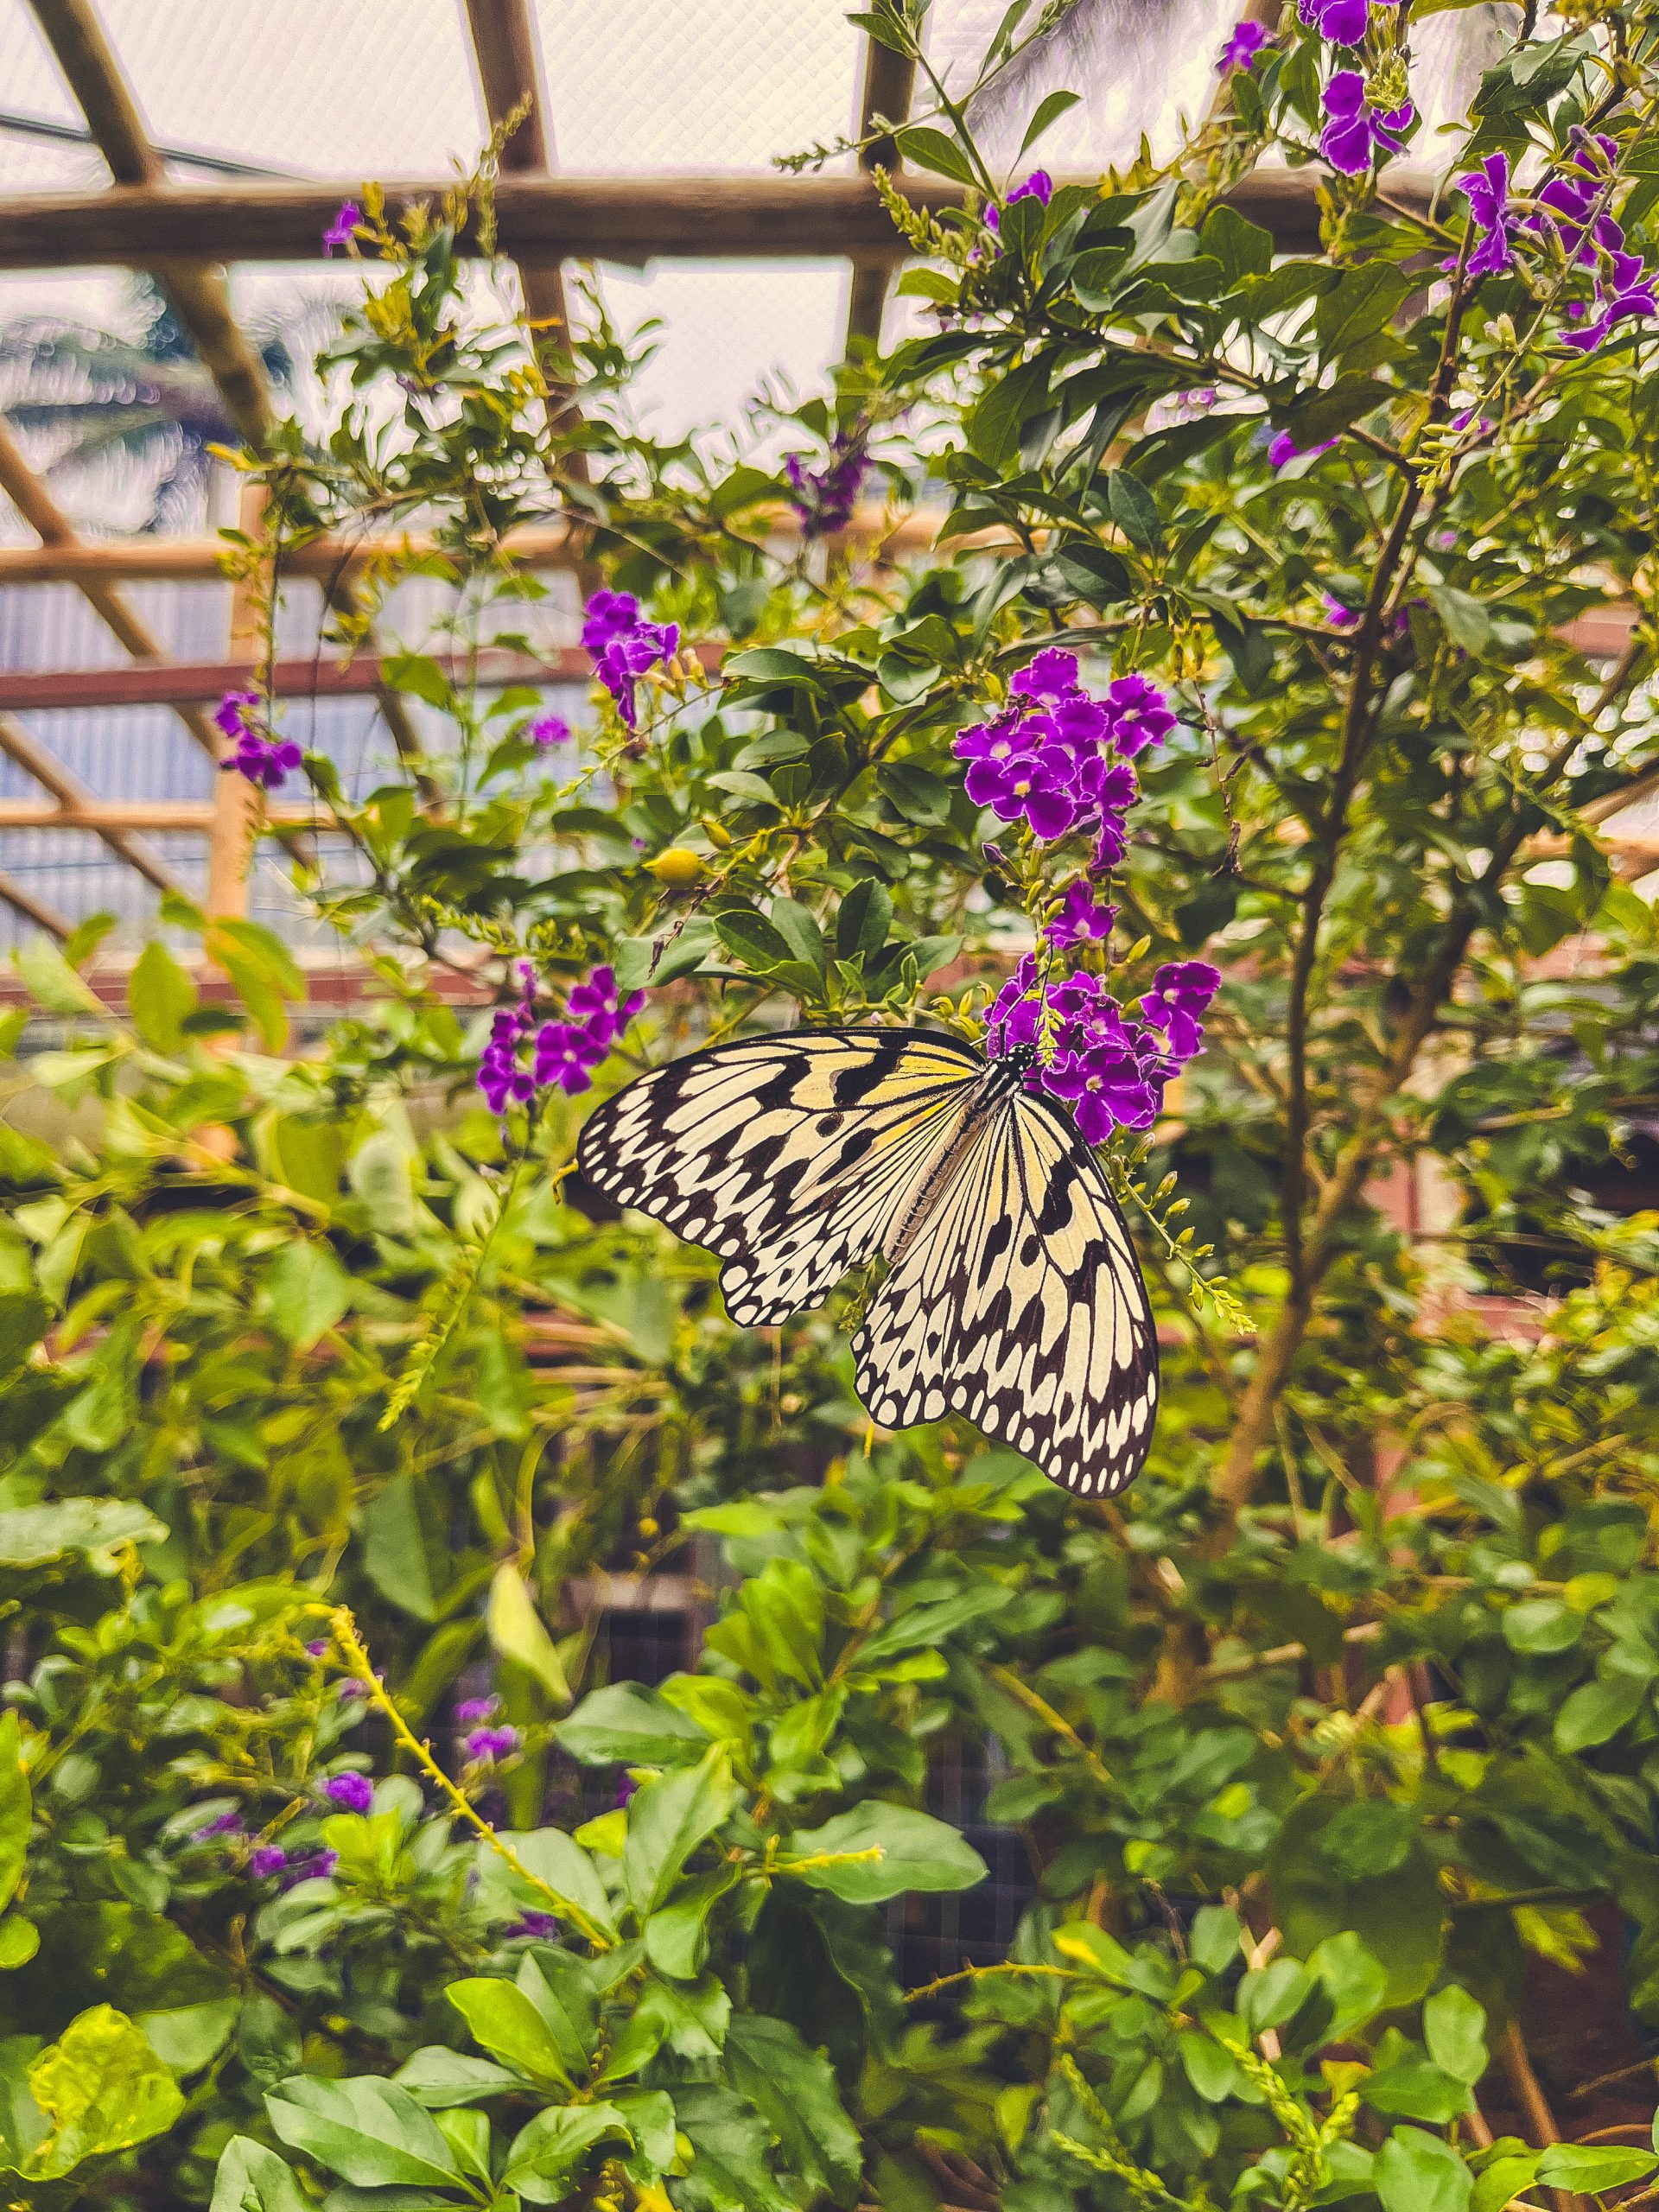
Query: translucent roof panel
point(705, 85)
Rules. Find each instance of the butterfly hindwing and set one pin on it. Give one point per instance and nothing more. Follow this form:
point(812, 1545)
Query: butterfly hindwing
point(1020, 1304)
point(786, 1155)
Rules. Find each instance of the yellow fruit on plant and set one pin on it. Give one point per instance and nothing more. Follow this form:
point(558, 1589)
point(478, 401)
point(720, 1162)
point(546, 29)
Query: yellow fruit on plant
point(676, 870)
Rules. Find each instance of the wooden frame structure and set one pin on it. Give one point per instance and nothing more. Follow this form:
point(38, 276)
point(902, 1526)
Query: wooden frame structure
point(184, 233)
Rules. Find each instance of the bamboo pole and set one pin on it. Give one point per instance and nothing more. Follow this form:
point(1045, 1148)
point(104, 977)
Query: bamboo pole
point(889, 83)
point(33, 909)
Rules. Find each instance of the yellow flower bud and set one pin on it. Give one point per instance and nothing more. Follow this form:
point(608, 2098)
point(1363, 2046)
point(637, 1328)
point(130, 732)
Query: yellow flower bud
point(676, 870)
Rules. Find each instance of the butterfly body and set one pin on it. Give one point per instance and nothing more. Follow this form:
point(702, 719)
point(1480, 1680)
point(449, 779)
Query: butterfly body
point(1010, 1294)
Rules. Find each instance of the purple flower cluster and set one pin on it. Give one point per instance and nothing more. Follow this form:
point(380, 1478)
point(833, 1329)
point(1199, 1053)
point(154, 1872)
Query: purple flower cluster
point(267, 761)
point(1624, 285)
point(1342, 22)
point(477, 1708)
point(565, 1052)
point(1055, 757)
point(549, 729)
point(1246, 42)
point(1110, 1067)
point(484, 1745)
point(265, 1861)
point(532, 1927)
point(1356, 132)
point(624, 647)
point(352, 1793)
point(824, 497)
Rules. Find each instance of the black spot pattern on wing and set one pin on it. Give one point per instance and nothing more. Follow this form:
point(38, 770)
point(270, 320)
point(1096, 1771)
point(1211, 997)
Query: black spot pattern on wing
point(788, 1155)
point(1021, 1305)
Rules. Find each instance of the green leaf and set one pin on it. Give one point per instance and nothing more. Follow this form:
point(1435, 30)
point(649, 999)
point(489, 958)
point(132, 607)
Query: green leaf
point(731, 2166)
point(1050, 109)
point(419, 676)
point(1467, 623)
point(1209, 2065)
point(502, 2019)
point(305, 1291)
point(1242, 247)
point(795, 2091)
point(931, 149)
point(51, 983)
point(366, 2130)
point(676, 1934)
point(101, 2088)
point(250, 2178)
point(17, 1806)
point(1505, 2178)
point(547, 2155)
point(750, 938)
point(668, 1819)
point(1454, 2027)
point(1363, 302)
point(863, 921)
point(159, 997)
point(20, 1939)
point(438, 2078)
point(625, 1724)
point(98, 1527)
point(519, 1633)
point(993, 427)
point(554, 1858)
point(1135, 511)
point(1354, 1979)
point(1592, 2167)
point(25, 1316)
point(880, 1851)
point(1415, 2172)
point(395, 1551)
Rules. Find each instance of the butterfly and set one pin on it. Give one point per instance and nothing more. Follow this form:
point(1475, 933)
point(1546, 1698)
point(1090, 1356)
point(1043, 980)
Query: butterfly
point(1012, 1293)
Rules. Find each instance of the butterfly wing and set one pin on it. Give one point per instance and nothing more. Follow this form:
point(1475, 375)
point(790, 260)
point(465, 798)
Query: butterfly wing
point(788, 1155)
point(1020, 1304)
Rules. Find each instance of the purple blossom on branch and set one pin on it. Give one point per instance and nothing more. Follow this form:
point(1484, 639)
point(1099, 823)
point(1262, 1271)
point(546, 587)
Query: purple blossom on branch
point(1356, 133)
point(265, 760)
point(624, 646)
point(1039, 186)
point(339, 232)
point(824, 497)
point(265, 1859)
point(549, 729)
point(1487, 191)
point(1181, 991)
point(1055, 756)
point(477, 1708)
point(1083, 918)
point(534, 1927)
point(1342, 22)
point(1283, 449)
point(353, 1793)
point(1247, 41)
point(484, 1745)
point(1110, 1068)
point(225, 1824)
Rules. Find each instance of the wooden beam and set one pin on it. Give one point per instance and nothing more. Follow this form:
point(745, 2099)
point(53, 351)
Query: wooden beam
point(198, 294)
point(546, 219)
point(35, 504)
point(51, 776)
point(127, 817)
point(26, 690)
point(33, 909)
point(889, 83)
point(549, 545)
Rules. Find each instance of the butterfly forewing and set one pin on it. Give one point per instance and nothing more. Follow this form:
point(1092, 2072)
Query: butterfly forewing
point(788, 1156)
point(1020, 1304)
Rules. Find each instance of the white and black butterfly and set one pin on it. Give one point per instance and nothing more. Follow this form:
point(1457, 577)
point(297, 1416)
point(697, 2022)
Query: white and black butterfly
point(1012, 1292)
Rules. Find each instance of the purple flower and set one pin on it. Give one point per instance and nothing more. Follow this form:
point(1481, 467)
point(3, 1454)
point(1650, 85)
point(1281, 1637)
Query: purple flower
point(1487, 191)
point(1039, 186)
point(266, 1858)
point(1338, 616)
point(266, 761)
point(565, 1055)
point(1357, 132)
point(477, 1708)
point(628, 656)
point(996, 740)
point(1246, 42)
point(624, 1791)
point(1342, 22)
point(549, 729)
point(354, 1792)
point(318, 1648)
point(1106, 1088)
point(824, 498)
point(1081, 916)
point(339, 232)
point(1181, 991)
point(534, 1927)
point(1284, 449)
point(1141, 715)
point(316, 1868)
point(225, 1824)
point(608, 614)
point(1053, 675)
point(484, 1745)
point(1028, 786)
point(231, 715)
point(599, 1006)
point(1635, 295)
